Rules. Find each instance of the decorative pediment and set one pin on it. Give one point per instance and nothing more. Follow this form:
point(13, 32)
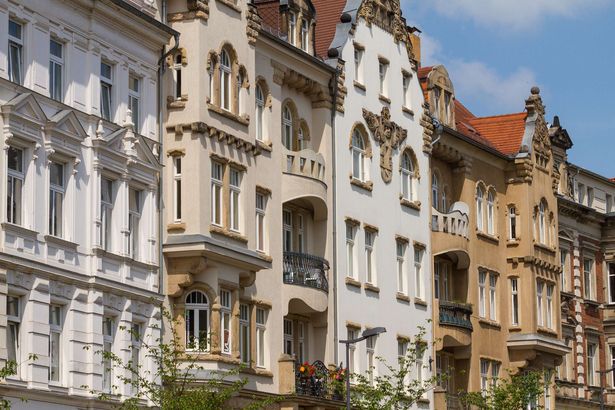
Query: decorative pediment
point(541, 143)
point(386, 14)
point(65, 122)
point(388, 135)
point(132, 146)
point(26, 107)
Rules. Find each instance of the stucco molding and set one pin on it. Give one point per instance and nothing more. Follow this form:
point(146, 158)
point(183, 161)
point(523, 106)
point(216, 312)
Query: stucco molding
point(197, 9)
point(389, 137)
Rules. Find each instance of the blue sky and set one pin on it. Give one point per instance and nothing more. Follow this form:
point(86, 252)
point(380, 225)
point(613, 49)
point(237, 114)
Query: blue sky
point(496, 50)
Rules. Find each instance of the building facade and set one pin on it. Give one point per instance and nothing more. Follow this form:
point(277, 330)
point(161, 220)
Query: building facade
point(79, 230)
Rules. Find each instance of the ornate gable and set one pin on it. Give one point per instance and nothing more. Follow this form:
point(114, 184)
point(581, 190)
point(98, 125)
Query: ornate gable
point(388, 135)
point(541, 143)
point(23, 117)
point(386, 14)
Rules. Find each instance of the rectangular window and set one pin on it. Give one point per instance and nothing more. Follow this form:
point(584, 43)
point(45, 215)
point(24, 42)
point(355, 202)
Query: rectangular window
point(289, 347)
point(56, 65)
point(244, 333)
point(358, 65)
point(13, 316)
point(235, 192)
point(492, 296)
point(225, 321)
point(514, 301)
point(56, 198)
point(370, 348)
point(108, 332)
point(16, 177)
point(55, 334)
point(406, 89)
point(495, 373)
point(420, 353)
point(261, 323)
point(539, 308)
point(177, 189)
point(565, 268)
point(549, 310)
point(292, 29)
point(512, 223)
point(369, 256)
point(436, 280)
point(305, 29)
point(287, 228)
point(106, 85)
point(301, 342)
point(590, 196)
point(609, 203)
point(588, 278)
point(216, 193)
point(15, 52)
point(401, 267)
point(611, 268)
point(581, 193)
point(482, 302)
point(352, 333)
point(261, 205)
point(484, 375)
point(134, 218)
point(106, 213)
point(418, 272)
point(612, 350)
point(135, 355)
point(134, 97)
point(591, 364)
point(350, 256)
point(382, 73)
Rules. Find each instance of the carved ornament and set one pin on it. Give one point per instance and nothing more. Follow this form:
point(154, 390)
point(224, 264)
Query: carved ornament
point(388, 135)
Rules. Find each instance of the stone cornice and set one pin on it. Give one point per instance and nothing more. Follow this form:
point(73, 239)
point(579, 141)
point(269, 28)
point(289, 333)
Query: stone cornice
point(200, 127)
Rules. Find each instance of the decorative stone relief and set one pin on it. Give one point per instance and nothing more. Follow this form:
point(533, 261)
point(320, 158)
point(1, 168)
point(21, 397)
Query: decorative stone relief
point(541, 142)
point(319, 94)
point(388, 135)
point(196, 9)
point(254, 24)
point(342, 91)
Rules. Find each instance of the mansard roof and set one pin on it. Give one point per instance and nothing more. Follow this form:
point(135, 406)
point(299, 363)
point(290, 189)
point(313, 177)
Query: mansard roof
point(329, 14)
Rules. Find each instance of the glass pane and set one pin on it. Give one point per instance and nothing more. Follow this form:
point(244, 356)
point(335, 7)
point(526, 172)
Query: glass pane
point(14, 200)
point(12, 306)
point(190, 328)
point(15, 62)
point(55, 315)
point(203, 329)
point(105, 70)
point(57, 218)
point(54, 360)
point(55, 48)
point(105, 101)
point(106, 191)
point(135, 200)
point(15, 159)
point(133, 83)
point(13, 341)
point(14, 29)
point(56, 174)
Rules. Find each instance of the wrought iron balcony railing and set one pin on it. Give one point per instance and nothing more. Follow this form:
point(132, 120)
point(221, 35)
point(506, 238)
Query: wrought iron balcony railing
point(317, 380)
point(456, 314)
point(306, 270)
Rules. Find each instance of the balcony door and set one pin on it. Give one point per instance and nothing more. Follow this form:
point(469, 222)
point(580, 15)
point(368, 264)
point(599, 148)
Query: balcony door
point(294, 231)
point(295, 339)
point(442, 280)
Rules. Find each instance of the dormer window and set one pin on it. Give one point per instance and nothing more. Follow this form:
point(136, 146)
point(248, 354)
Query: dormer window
point(305, 30)
point(292, 28)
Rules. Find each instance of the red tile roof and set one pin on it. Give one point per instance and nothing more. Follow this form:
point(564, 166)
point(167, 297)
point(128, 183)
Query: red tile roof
point(505, 132)
point(328, 14)
point(269, 12)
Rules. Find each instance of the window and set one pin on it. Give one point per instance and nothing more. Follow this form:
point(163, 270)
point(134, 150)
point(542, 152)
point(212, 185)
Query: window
point(216, 193)
point(135, 354)
point(588, 278)
point(305, 45)
point(549, 310)
point(402, 350)
point(261, 205)
point(542, 223)
point(56, 64)
point(435, 191)
point(235, 188)
point(352, 333)
point(581, 193)
point(401, 267)
point(512, 223)
point(134, 96)
point(287, 230)
point(108, 331)
point(287, 128)
point(479, 209)
point(590, 196)
point(514, 301)
point(420, 353)
point(382, 73)
point(261, 322)
point(370, 349)
point(177, 76)
point(288, 337)
point(13, 316)
point(292, 28)
point(56, 198)
point(197, 321)
point(244, 333)
point(539, 308)
point(370, 265)
point(16, 177)
point(225, 321)
point(591, 364)
point(495, 373)
point(492, 296)
point(350, 251)
point(301, 341)
point(490, 214)
point(177, 189)
point(358, 156)
point(225, 80)
point(484, 375)
point(106, 84)
point(548, 374)
point(441, 280)
point(418, 271)
point(609, 203)
point(15, 52)
point(134, 218)
point(358, 64)
point(482, 303)
point(563, 254)
point(407, 177)
point(260, 112)
point(611, 267)
point(106, 213)
point(612, 349)
point(437, 93)
point(300, 234)
point(406, 89)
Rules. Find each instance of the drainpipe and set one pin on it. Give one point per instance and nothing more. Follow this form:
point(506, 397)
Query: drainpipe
point(334, 232)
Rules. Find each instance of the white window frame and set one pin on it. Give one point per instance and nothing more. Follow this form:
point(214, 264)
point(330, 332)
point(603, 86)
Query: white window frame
point(482, 302)
point(108, 331)
point(484, 375)
point(301, 341)
point(135, 354)
point(225, 80)
point(490, 213)
point(287, 230)
point(16, 43)
point(13, 339)
point(383, 69)
point(217, 186)
point(301, 246)
point(261, 223)
point(358, 156)
point(15, 201)
point(351, 265)
point(542, 223)
point(106, 215)
point(539, 305)
point(588, 279)
point(287, 128)
point(514, 301)
point(480, 209)
point(406, 79)
point(407, 177)
point(370, 350)
point(292, 28)
point(235, 178)
point(592, 352)
point(260, 112)
point(200, 305)
point(261, 341)
point(244, 334)
point(289, 337)
point(177, 76)
point(611, 281)
point(435, 191)
point(177, 188)
point(565, 263)
point(55, 217)
point(134, 101)
point(493, 311)
point(56, 69)
point(549, 307)
point(358, 64)
point(512, 223)
point(418, 271)
point(305, 31)
point(352, 333)
point(370, 265)
point(400, 253)
point(226, 335)
point(134, 222)
point(106, 86)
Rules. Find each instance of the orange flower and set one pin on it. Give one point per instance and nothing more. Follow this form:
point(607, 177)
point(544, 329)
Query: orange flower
point(302, 369)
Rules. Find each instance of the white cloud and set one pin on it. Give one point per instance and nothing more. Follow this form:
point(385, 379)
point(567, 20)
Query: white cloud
point(430, 50)
point(500, 93)
point(516, 15)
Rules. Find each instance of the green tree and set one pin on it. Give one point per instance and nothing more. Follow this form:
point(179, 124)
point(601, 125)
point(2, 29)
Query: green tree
point(516, 392)
point(179, 381)
point(398, 387)
point(10, 369)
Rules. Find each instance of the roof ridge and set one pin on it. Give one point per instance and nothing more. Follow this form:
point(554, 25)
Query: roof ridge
point(499, 116)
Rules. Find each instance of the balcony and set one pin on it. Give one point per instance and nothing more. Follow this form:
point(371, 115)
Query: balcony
point(454, 326)
point(306, 270)
point(456, 314)
point(304, 175)
point(316, 380)
point(450, 230)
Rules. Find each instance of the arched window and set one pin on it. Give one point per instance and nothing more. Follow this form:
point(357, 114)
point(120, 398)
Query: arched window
point(490, 214)
point(479, 208)
point(197, 321)
point(177, 76)
point(260, 112)
point(512, 223)
point(435, 191)
point(358, 156)
point(225, 80)
point(287, 128)
point(407, 177)
point(542, 222)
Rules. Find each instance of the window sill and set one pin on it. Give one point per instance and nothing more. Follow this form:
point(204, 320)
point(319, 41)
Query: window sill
point(490, 323)
point(210, 357)
point(256, 371)
point(352, 282)
point(18, 228)
point(514, 329)
point(263, 255)
point(420, 302)
point(265, 146)
point(591, 303)
point(371, 288)
point(490, 238)
point(230, 4)
point(402, 297)
point(177, 103)
point(60, 241)
point(243, 120)
point(366, 185)
point(359, 85)
point(218, 230)
point(176, 227)
point(407, 110)
point(384, 99)
point(545, 248)
point(511, 243)
point(547, 331)
point(416, 205)
point(57, 387)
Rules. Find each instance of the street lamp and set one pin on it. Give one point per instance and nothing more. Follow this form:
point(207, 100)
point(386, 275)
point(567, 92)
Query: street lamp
point(601, 372)
point(366, 333)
